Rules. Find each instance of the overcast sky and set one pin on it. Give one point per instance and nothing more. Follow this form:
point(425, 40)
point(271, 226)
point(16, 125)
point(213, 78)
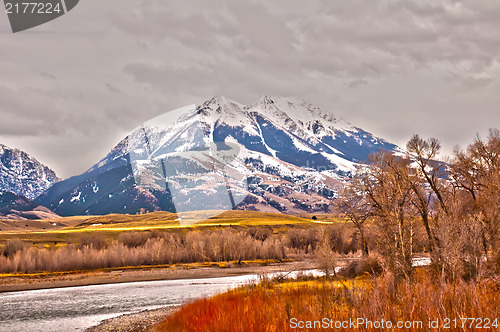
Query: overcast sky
point(72, 88)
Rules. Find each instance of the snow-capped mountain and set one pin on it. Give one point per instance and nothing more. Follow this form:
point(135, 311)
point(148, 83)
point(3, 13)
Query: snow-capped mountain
point(277, 155)
point(22, 174)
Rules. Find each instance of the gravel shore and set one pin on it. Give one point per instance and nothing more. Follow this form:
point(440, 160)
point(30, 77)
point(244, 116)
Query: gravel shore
point(137, 322)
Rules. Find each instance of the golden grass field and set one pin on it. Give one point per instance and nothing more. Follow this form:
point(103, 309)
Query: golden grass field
point(70, 229)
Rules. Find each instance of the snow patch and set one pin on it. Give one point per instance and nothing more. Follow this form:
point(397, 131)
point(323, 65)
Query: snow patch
point(76, 198)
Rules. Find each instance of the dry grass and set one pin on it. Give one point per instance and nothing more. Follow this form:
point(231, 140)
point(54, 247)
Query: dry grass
point(110, 226)
point(270, 307)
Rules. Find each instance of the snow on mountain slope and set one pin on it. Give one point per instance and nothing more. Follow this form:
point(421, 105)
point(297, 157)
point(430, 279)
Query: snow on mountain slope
point(22, 174)
point(320, 131)
point(282, 154)
point(295, 114)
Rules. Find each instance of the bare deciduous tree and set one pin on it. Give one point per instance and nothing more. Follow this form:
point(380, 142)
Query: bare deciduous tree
point(426, 179)
point(390, 195)
point(425, 151)
point(476, 170)
point(353, 203)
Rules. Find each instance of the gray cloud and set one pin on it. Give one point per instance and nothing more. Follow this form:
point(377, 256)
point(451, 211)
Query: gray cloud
point(69, 90)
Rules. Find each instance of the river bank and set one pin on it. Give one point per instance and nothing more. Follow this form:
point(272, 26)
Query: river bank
point(32, 282)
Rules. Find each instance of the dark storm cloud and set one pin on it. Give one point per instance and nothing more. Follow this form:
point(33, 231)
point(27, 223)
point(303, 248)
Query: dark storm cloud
point(391, 67)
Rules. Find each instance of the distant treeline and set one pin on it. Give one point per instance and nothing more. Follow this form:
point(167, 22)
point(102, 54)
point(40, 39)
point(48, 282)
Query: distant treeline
point(135, 248)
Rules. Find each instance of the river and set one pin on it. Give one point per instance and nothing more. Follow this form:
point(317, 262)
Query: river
point(78, 308)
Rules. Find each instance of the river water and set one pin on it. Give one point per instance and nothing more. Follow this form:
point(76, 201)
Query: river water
point(77, 308)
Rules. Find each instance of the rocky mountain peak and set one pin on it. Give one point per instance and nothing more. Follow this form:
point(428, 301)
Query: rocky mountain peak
point(22, 174)
point(221, 104)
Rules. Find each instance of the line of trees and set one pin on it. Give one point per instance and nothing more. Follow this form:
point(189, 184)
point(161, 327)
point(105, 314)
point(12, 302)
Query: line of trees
point(456, 202)
point(134, 248)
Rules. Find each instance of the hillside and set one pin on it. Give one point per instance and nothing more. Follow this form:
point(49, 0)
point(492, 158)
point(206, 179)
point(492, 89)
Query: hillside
point(16, 207)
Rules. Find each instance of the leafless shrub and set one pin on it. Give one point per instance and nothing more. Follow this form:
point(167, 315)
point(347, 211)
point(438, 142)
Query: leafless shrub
point(461, 245)
point(260, 233)
point(367, 265)
point(303, 239)
point(342, 239)
point(13, 246)
point(134, 239)
point(326, 257)
point(95, 241)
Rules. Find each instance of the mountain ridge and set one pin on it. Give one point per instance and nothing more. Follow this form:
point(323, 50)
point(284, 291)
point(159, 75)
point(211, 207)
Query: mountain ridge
point(294, 157)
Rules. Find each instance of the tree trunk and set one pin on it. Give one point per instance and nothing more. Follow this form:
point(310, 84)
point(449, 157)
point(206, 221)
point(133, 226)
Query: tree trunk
point(363, 241)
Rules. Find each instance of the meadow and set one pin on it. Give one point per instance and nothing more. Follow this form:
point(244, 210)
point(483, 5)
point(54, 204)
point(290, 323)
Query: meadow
point(72, 229)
